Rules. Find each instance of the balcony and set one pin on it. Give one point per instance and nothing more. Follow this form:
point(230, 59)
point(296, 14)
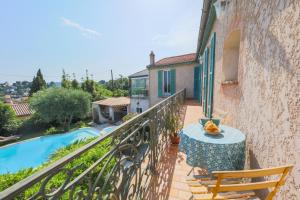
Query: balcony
point(139, 163)
point(139, 93)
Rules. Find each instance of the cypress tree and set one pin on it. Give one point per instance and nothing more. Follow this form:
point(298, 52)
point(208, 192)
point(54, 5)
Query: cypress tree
point(38, 83)
point(75, 83)
point(65, 80)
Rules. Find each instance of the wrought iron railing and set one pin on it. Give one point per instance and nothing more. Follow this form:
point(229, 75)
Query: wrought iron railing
point(133, 151)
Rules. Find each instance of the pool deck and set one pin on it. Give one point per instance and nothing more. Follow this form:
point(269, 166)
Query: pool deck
point(100, 127)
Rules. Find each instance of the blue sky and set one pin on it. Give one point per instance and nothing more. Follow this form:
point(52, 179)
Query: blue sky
point(96, 35)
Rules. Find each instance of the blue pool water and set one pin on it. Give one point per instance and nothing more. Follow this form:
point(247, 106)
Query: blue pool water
point(34, 152)
point(108, 129)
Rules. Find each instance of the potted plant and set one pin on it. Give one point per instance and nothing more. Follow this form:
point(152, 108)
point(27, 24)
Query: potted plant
point(173, 126)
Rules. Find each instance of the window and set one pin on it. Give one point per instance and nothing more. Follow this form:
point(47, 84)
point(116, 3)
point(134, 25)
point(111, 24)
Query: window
point(139, 110)
point(167, 82)
point(138, 83)
point(231, 58)
point(139, 86)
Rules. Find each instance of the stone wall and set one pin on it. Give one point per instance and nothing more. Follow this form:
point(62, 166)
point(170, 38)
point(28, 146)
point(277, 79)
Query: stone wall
point(265, 103)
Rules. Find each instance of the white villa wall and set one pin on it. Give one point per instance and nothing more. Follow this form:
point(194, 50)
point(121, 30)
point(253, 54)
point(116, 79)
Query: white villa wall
point(143, 103)
point(101, 118)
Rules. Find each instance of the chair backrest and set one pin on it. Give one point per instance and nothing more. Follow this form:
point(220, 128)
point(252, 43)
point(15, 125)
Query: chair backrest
point(281, 172)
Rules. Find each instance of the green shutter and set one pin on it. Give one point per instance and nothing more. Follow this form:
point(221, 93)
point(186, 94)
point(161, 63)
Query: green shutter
point(196, 83)
point(173, 81)
point(205, 81)
point(159, 83)
point(211, 75)
point(200, 83)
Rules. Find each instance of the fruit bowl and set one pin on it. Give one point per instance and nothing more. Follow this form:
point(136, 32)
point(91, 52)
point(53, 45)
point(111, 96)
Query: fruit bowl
point(204, 120)
point(211, 128)
point(216, 132)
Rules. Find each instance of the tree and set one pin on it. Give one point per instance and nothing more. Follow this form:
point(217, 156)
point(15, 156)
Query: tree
point(8, 122)
point(102, 92)
point(120, 83)
point(75, 83)
point(120, 93)
point(102, 82)
point(61, 105)
point(51, 84)
point(38, 83)
point(89, 85)
point(65, 80)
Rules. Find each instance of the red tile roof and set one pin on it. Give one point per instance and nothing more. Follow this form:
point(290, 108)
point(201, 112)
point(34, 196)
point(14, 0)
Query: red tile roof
point(114, 101)
point(176, 59)
point(22, 109)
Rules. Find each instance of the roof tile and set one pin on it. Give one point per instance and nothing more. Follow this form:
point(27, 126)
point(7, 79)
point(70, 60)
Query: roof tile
point(22, 109)
point(114, 101)
point(176, 59)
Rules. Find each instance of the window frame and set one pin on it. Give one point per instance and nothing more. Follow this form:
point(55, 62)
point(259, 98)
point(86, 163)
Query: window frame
point(168, 92)
point(139, 110)
point(142, 90)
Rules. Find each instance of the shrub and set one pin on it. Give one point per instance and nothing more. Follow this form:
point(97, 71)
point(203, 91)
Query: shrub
point(81, 124)
point(173, 124)
point(61, 105)
point(120, 93)
point(51, 130)
point(32, 125)
point(84, 161)
point(8, 121)
point(129, 116)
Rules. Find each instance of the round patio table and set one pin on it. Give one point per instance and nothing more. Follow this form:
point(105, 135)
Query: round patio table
point(222, 152)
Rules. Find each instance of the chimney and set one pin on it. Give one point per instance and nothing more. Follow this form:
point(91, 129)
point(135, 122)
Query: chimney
point(152, 58)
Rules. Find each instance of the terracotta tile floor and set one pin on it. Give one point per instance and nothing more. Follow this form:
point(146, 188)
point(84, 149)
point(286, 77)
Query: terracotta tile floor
point(193, 112)
point(172, 170)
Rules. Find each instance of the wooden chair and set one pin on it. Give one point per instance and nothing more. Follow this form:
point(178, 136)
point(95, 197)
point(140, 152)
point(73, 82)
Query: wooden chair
point(226, 185)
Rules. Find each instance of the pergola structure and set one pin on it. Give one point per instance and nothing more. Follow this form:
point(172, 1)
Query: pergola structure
point(110, 109)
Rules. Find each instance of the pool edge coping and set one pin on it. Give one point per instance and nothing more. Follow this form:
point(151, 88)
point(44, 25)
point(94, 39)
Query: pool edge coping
point(46, 136)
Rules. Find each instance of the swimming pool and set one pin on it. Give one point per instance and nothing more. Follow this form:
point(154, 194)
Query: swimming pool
point(108, 129)
point(36, 151)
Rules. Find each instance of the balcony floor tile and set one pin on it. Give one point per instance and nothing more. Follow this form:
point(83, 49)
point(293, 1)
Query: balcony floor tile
point(170, 181)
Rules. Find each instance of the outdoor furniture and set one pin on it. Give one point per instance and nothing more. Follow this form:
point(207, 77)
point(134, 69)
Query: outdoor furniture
point(225, 151)
point(225, 187)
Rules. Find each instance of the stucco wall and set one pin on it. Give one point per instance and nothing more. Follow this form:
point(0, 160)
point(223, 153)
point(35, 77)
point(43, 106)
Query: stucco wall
point(184, 79)
point(143, 103)
point(265, 104)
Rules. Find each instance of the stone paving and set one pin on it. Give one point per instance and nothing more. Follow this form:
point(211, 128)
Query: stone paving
point(172, 171)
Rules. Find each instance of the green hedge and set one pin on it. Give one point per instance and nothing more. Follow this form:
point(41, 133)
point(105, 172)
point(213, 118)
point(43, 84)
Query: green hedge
point(84, 161)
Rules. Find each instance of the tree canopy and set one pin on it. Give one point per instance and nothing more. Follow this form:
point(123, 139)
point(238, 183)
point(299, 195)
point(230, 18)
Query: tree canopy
point(120, 83)
point(75, 84)
point(65, 80)
point(61, 105)
point(38, 83)
point(7, 119)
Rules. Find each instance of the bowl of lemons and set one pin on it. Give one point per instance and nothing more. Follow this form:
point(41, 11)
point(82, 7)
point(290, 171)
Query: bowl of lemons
point(203, 121)
point(211, 128)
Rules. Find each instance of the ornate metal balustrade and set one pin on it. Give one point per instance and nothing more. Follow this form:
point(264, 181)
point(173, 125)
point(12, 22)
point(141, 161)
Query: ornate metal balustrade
point(123, 172)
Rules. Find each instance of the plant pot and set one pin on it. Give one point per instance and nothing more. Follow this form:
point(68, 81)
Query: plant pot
point(175, 139)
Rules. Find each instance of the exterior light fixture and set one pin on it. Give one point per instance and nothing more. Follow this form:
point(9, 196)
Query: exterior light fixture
point(220, 6)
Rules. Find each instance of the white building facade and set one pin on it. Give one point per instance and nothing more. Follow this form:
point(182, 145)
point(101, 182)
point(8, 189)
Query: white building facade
point(139, 91)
